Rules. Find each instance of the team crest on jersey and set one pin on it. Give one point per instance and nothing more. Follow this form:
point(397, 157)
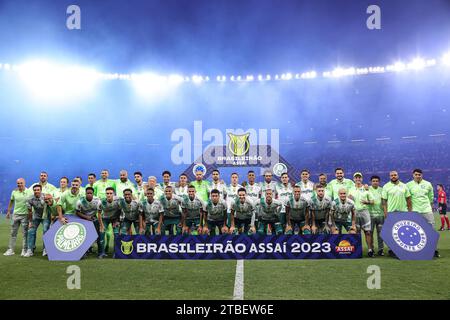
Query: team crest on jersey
point(409, 235)
point(239, 144)
point(279, 169)
point(126, 247)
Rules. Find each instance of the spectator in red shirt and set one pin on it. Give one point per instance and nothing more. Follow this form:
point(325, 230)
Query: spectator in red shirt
point(442, 205)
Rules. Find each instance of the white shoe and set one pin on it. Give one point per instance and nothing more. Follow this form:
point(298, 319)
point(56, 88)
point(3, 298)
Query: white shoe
point(24, 252)
point(9, 252)
point(29, 253)
point(44, 253)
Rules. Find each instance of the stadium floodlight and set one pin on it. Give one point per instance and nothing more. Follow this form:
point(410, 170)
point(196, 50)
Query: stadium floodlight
point(398, 66)
point(260, 77)
point(175, 79)
point(417, 64)
point(197, 79)
point(268, 77)
point(55, 82)
point(446, 59)
point(250, 78)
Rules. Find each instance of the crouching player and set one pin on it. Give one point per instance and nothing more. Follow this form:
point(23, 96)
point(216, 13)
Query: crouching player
point(171, 218)
point(192, 213)
point(36, 208)
point(109, 211)
point(215, 214)
point(268, 212)
point(319, 208)
point(242, 214)
point(130, 212)
point(297, 213)
point(343, 208)
point(150, 209)
point(87, 209)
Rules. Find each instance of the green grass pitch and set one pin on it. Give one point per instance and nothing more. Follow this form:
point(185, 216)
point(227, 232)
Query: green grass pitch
point(38, 278)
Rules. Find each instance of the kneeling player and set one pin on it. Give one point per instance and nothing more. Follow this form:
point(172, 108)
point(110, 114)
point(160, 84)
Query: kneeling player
point(242, 214)
point(130, 212)
point(215, 214)
point(319, 208)
point(171, 218)
point(150, 209)
point(343, 208)
point(269, 214)
point(87, 209)
point(297, 213)
point(192, 214)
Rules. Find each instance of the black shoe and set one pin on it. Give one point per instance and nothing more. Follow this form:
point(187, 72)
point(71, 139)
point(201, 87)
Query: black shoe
point(441, 229)
point(436, 254)
point(370, 253)
point(380, 253)
point(392, 254)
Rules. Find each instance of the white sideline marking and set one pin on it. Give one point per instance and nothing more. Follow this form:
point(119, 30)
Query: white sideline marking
point(239, 281)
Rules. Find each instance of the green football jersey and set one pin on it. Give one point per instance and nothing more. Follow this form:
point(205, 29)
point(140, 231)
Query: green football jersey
point(395, 195)
point(422, 196)
point(335, 185)
point(100, 188)
point(201, 189)
point(120, 186)
point(376, 209)
point(68, 201)
point(20, 198)
point(358, 194)
point(47, 188)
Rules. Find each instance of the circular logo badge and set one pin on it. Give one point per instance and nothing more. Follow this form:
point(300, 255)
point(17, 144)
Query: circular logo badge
point(199, 167)
point(409, 235)
point(70, 237)
point(279, 169)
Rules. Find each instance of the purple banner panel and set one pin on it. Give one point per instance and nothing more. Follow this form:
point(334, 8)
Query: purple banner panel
point(346, 246)
point(410, 236)
point(70, 241)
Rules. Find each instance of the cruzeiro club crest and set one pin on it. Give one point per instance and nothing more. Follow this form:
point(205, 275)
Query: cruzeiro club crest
point(239, 144)
point(199, 167)
point(279, 169)
point(409, 235)
point(70, 237)
point(126, 247)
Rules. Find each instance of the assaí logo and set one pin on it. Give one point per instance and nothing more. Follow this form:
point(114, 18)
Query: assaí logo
point(345, 247)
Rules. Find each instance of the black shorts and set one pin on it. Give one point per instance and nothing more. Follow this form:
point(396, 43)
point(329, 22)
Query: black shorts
point(442, 208)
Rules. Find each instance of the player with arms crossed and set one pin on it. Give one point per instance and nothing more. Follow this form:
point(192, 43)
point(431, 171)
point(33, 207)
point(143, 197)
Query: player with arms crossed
point(242, 214)
point(297, 213)
point(215, 214)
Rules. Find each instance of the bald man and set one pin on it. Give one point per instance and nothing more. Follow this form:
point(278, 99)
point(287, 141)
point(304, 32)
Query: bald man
point(124, 183)
point(18, 200)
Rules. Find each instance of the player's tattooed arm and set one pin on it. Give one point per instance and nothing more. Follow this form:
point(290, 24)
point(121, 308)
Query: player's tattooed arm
point(409, 203)
point(353, 227)
point(232, 227)
point(384, 204)
point(288, 218)
point(100, 221)
point(141, 223)
point(61, 218)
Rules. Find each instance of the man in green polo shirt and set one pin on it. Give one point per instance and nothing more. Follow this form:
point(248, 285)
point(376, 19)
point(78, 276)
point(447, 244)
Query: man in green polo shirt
point(101, 185)
point(124, 183)
point(68, 201)
point(47, 188)
point(19, 198)
point(422, 197)
point(395, 197)
point(376, 212)
point(201, 186)
point(340, 182)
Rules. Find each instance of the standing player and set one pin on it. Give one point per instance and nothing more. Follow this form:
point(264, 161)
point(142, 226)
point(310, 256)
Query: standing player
point(243, 214)
point(91, 180)
point(150, 209)
point(82, 189)
point(201, 186)
point(376, 212)
point(19, 198)
point(268, 211)
point(124, 183)
point(217, 184)
point(442, 207)
point(215, 214)
point(362, 199)
point(319, 209)
point(36, 208)
point(395, 197)
point(284, 192)
point(47, 188)
point(68, 201)
point(182, 187)
point(130, 212)
point(422, 197)
point(232, 195)
point(253, 189)
point(152, 183)
point(87, 209)
point(166, 175)
point(192, 213)
point(343, 211)
point(63, 187)
point(101, 185)
point(268, 184)
point(140, 186)
point(171, 218)
point(306, 185)
point(340, 182)
point(109, 210)
point(297, 213)
point(324, 184)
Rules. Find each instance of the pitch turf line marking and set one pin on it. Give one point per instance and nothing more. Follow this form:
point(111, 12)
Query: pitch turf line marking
point(239, 281)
